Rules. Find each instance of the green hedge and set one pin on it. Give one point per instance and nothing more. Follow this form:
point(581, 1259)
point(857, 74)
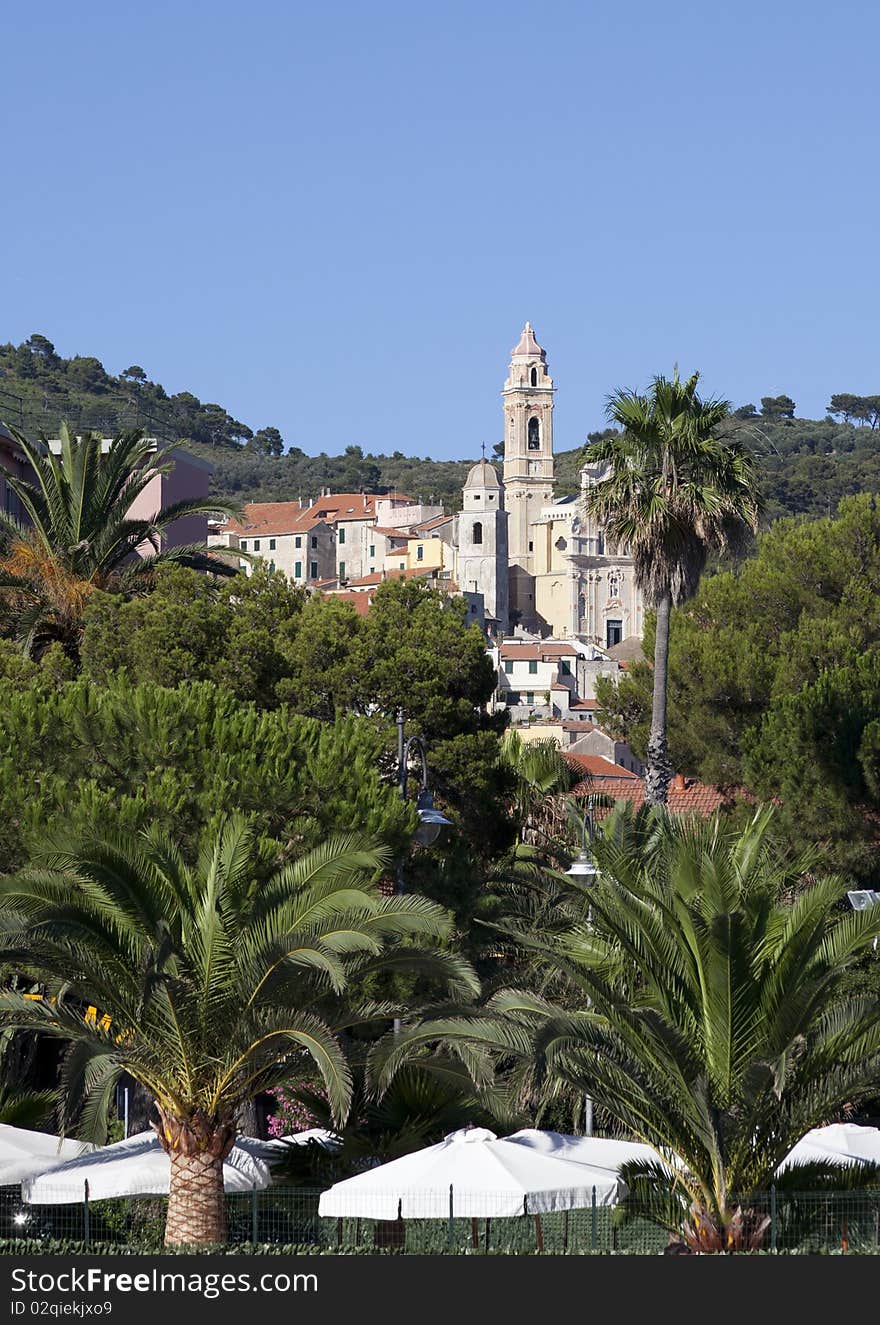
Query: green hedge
point(71, 1247)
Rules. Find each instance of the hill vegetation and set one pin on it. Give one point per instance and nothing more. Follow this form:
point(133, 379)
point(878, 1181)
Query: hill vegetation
point(808, 465)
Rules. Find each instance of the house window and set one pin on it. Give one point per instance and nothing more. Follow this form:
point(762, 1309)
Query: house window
point(564, 667)
point(342, 570)
point(531, 547)
point(314, 542)
point(403, 565)
point(372, 550)
point(530, 696)
point(508, 666)
point(478, 532)
point(420, 553)
point(297, 542)
point(256, 545)
point(314, 570)
point(613, 632)
point(297, 570)
point(271, 544)
point(534, 377)
point(243, 544)
point(534, 434)
point(533, 667)
point(342, 535)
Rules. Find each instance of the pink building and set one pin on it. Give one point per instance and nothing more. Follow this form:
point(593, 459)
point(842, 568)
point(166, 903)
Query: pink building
point(12, 461)
point(189, 478)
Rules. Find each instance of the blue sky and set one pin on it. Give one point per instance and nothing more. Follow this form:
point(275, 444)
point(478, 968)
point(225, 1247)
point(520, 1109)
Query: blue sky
point(335, 218)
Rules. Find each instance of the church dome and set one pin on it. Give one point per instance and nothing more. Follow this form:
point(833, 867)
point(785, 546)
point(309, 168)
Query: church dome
point(483, 476)
point(527, 347)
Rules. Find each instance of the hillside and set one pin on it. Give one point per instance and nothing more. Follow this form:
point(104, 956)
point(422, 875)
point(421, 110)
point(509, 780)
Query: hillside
point(808, 464)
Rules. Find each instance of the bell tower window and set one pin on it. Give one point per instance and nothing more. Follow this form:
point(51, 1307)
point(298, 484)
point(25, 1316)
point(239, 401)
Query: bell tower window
point(534, 377)
point(478, 532)
point(534, 433)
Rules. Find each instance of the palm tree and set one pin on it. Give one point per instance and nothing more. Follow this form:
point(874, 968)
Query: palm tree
point(675, 491)
point(705, 1015)
point(538, 773)
point(211, 985)
point(77, 534)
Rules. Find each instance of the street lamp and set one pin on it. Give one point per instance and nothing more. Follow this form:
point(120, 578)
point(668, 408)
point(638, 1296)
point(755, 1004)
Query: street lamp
point(584, 867)
point(584, 870)
point(431, 821)
point(860, 899)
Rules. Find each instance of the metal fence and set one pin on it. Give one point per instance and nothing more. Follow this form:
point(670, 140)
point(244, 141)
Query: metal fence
point(806, 1222)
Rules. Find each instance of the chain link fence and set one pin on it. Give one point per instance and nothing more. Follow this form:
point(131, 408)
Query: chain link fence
point(803, 1222)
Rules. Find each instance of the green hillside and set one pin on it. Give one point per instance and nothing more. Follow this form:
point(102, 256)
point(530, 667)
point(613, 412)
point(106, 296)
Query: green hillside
point(808, 464)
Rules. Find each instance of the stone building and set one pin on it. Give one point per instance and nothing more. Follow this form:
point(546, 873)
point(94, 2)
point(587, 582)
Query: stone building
point(482, 545)
point(565, 579)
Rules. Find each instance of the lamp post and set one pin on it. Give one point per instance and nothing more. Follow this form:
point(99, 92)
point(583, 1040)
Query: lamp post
point(860, 899)
point(584, 871)
point(431, 821)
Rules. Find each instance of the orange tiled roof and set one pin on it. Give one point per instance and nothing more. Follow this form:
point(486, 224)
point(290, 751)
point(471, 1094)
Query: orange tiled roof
point(270, 517)
point(686, 795)
point(392, 533)
point(434, 523)
point(359, 601)
point(352, 505)
point(378, 576)
point(597, 766)
point(546, 652)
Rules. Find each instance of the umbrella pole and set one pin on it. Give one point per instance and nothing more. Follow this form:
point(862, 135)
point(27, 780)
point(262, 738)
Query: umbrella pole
point(475, 1234)
point(539, 1235)
point(565, 1230)
point(339, 1232)
point(487, 1237)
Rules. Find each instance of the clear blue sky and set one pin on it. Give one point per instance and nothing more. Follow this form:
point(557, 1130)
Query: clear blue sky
point(336, 217)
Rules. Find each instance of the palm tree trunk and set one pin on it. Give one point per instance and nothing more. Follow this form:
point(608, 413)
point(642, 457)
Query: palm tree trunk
point(658, 769)
point(196, 1203)
point(197, 1148)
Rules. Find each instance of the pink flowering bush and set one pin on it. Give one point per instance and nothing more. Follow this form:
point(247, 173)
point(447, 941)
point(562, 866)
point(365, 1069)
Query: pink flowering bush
point(291, 1114)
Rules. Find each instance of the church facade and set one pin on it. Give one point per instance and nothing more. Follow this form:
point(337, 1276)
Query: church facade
point(539, 559)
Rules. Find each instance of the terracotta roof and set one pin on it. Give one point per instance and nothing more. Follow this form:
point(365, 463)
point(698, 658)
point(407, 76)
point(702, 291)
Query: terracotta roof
point(528, 652)
point(270, 517)
point(359, 601)
point(378, 576)
point(352, 505)
point(597, 766)
point(392, 533)
point(686, 795)
point(437, 521)
point(557, 685)
point(591, 704)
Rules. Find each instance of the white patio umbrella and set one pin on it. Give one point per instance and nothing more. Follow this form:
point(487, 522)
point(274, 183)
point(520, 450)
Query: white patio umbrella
point(139, 1166)
point(598, 1151)
point(23, 1153)
point(838, 1143)
point(471, 1173)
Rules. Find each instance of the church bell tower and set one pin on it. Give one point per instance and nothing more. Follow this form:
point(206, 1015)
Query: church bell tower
point(528, 461)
